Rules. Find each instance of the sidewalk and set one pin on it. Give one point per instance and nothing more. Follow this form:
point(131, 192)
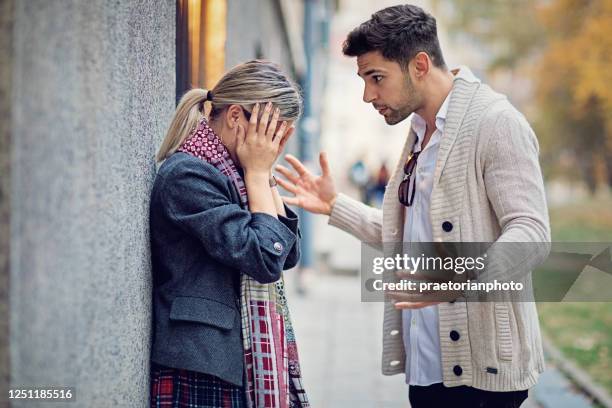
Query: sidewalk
point(340, 346)
point(339, 340)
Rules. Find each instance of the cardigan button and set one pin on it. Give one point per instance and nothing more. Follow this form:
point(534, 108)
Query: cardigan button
point(457, 370)
point(447, 226)
point(394, 363)
point(454, 335)
point(394, 332)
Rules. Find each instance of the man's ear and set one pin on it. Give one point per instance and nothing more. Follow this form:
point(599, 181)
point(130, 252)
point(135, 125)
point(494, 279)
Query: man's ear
point(232, 115)
point(422, 64)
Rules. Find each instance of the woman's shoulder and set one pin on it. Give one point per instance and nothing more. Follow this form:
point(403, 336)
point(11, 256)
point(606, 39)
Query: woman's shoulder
point(184, 172)
point(180, 162)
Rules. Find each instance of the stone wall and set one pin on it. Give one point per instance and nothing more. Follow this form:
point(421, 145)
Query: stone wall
point(6, 36)
point(94, 85)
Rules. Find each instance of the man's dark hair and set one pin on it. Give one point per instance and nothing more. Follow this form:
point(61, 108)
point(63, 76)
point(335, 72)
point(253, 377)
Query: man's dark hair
point(399, 33)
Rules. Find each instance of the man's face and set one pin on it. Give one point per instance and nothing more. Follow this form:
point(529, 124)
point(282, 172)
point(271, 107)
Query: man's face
point(387, 87)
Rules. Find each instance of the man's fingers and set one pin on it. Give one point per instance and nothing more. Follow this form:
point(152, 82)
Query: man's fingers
point(405, 296)
point(287, 186)
point(291, 200)
point(324, 163)
point(413, 276)
point(287, 173)
point(403, 300)
point(403, 275)
point(413, 305)
point(296, 164)
point(418, 296)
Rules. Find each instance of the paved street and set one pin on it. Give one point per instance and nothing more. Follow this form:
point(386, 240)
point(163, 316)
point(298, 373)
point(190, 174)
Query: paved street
point(340, 346)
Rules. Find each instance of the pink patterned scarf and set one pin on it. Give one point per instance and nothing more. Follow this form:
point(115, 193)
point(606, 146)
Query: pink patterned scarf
point(273, 377)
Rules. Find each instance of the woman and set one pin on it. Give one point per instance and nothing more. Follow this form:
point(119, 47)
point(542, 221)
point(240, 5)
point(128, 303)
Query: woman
point(220, 239)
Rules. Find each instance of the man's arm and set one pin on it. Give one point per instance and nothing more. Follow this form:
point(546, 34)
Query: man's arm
point(515, 189)
point(318, 195)
point(360, 220)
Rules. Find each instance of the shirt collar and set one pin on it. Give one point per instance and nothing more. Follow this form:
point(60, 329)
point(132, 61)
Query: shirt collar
point(463, 72)
point(418, 123)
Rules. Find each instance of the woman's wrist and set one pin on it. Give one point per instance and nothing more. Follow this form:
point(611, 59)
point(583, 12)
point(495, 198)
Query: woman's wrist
point(257, 174)
point(261, 199)
point(257, 179)
point(278, 202)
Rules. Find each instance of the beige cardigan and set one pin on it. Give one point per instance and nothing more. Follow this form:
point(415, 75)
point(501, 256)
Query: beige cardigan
point(488, 185)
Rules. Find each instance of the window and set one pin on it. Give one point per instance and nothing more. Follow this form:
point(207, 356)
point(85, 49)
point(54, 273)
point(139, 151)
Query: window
point(200, 43)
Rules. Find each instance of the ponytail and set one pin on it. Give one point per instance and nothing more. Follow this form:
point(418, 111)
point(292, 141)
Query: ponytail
point(188, 113)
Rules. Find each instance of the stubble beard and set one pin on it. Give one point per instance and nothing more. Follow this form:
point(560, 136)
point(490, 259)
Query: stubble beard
point(411, 102)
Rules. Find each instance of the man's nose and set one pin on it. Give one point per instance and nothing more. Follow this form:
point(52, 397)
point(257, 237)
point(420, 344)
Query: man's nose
point(368, 95)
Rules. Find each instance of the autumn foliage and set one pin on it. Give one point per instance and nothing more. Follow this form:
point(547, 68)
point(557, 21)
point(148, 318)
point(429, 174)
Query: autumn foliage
point(565, 47)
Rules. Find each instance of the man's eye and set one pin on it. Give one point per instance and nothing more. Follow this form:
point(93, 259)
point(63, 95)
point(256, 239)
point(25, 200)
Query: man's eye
point(377, 78)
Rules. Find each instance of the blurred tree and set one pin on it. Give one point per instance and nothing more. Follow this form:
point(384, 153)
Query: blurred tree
point(509, 30)
point(573, 81)
point(567, 46)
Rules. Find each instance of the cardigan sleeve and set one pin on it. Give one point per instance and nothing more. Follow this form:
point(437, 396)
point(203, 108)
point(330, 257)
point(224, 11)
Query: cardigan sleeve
point(361, 221)
point(198, 199)
point(515, 189)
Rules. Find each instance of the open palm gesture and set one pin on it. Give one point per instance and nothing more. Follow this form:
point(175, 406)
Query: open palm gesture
point(316, 194)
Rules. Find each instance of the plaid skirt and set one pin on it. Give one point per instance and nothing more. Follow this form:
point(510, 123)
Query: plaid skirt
point(177, 388)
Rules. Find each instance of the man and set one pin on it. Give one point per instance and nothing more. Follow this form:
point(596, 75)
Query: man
point(475, 178)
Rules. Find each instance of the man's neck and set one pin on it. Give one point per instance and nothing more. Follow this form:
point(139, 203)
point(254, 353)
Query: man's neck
point(441, 86)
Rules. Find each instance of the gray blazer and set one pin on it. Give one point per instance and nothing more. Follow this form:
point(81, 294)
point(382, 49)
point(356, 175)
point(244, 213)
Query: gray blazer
point(202, 239)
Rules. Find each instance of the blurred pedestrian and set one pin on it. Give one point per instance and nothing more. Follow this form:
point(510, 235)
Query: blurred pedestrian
point(359, 177)
point(377, 186)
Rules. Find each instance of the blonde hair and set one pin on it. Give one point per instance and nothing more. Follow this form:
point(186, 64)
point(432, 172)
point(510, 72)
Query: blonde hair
point(246, 84)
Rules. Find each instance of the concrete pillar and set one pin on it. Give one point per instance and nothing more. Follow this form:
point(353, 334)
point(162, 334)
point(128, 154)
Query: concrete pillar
point(6, 36)
point(93, 94)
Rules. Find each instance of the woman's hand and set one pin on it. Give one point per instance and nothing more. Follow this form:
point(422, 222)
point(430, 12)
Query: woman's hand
point(283, 142)
point(258, 147)
point(316, 194)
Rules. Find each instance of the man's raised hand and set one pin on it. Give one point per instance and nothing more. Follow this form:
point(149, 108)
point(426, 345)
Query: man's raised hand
point(313, 193)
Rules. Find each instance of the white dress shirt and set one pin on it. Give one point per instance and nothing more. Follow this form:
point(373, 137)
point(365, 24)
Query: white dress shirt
point(420, 327)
